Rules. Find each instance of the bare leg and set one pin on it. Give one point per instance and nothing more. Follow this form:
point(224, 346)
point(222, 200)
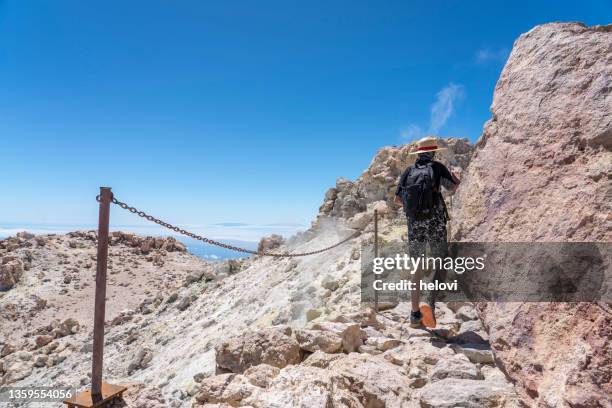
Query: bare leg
point(417, 250)
point(415, 295)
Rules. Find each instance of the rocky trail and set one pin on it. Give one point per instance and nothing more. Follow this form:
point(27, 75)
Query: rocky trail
point(361, 359)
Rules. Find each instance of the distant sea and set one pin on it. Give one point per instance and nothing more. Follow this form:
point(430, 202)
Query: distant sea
point(234, 233)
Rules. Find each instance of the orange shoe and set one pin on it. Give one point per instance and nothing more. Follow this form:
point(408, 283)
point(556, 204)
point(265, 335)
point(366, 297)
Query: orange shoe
point(429, 318)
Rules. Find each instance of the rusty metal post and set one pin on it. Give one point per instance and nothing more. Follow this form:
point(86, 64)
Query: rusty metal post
point(106, 197)
point(376, 255)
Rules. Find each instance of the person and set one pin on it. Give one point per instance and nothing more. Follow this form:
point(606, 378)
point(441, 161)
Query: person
point(419, 191)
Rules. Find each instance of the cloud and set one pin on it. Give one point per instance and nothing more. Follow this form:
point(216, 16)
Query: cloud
point(241, 232)
point(487, 55)
point(441, 110)
point(412, 132)
point(444, 106)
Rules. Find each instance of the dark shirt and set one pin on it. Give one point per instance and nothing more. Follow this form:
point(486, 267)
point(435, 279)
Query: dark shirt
point(441, 175)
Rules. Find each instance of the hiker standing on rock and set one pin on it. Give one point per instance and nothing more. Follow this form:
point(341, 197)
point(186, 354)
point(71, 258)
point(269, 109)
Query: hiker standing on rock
point(419, 192)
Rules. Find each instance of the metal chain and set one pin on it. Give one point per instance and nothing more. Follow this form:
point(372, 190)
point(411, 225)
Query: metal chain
point(221, 244)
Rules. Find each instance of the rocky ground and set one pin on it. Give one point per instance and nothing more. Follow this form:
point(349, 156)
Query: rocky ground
point(293, 324)
point(361, 359)
point(51, 277)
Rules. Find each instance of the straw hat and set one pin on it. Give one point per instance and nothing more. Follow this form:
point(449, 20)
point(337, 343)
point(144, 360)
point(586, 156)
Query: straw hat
point(427, 144)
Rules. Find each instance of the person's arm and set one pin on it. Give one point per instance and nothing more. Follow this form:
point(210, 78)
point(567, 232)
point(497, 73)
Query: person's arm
point(448, 180)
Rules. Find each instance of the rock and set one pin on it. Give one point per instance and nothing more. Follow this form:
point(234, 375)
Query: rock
point(140, 361)
point(25, 235)
point(457, 366)
point(267, 244)
point(476, 353)
point(381, 207)
point(330, 283)
point(273, 346)
point(367, 349)
point(454, 392)
point(196, 276)
point(17, 371)
point(364, 317)
point(375, 381)
point(383, 343)
point(87, 348)
point(66, 328)
point(199, 377)
point(43, 340)
point(352, 336)
point(192, 389)
point(141, 396)
point(24, 355)
point(540, 174)
point(226, 268)
point(400, 356)
point(170, 244)
point(225, 388)
point(320, 359)
point(360, 221)
point(41, 360)
point(6, 349)
point(466, 313)
point(313, 340)
point(184, 303)
point(261, 375)
point(61, 356)
point(312, 314)
point(10, 273)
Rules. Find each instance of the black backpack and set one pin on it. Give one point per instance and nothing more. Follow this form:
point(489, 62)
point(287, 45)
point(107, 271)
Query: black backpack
point(418, 192)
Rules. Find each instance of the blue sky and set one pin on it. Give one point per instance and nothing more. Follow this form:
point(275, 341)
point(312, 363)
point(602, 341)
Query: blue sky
point(209, 112)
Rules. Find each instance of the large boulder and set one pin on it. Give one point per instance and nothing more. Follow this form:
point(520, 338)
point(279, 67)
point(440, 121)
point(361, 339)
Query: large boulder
point(273, 346)
point(541, 172)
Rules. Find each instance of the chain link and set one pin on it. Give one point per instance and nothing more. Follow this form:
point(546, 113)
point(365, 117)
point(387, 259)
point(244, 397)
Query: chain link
point(181, 231)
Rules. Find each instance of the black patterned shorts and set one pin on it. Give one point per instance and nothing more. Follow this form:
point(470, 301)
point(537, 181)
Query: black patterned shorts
point(432, 231)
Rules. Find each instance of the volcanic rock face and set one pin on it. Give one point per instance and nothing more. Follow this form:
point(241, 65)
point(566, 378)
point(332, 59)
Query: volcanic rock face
point(541, 172)
point(379, 181)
